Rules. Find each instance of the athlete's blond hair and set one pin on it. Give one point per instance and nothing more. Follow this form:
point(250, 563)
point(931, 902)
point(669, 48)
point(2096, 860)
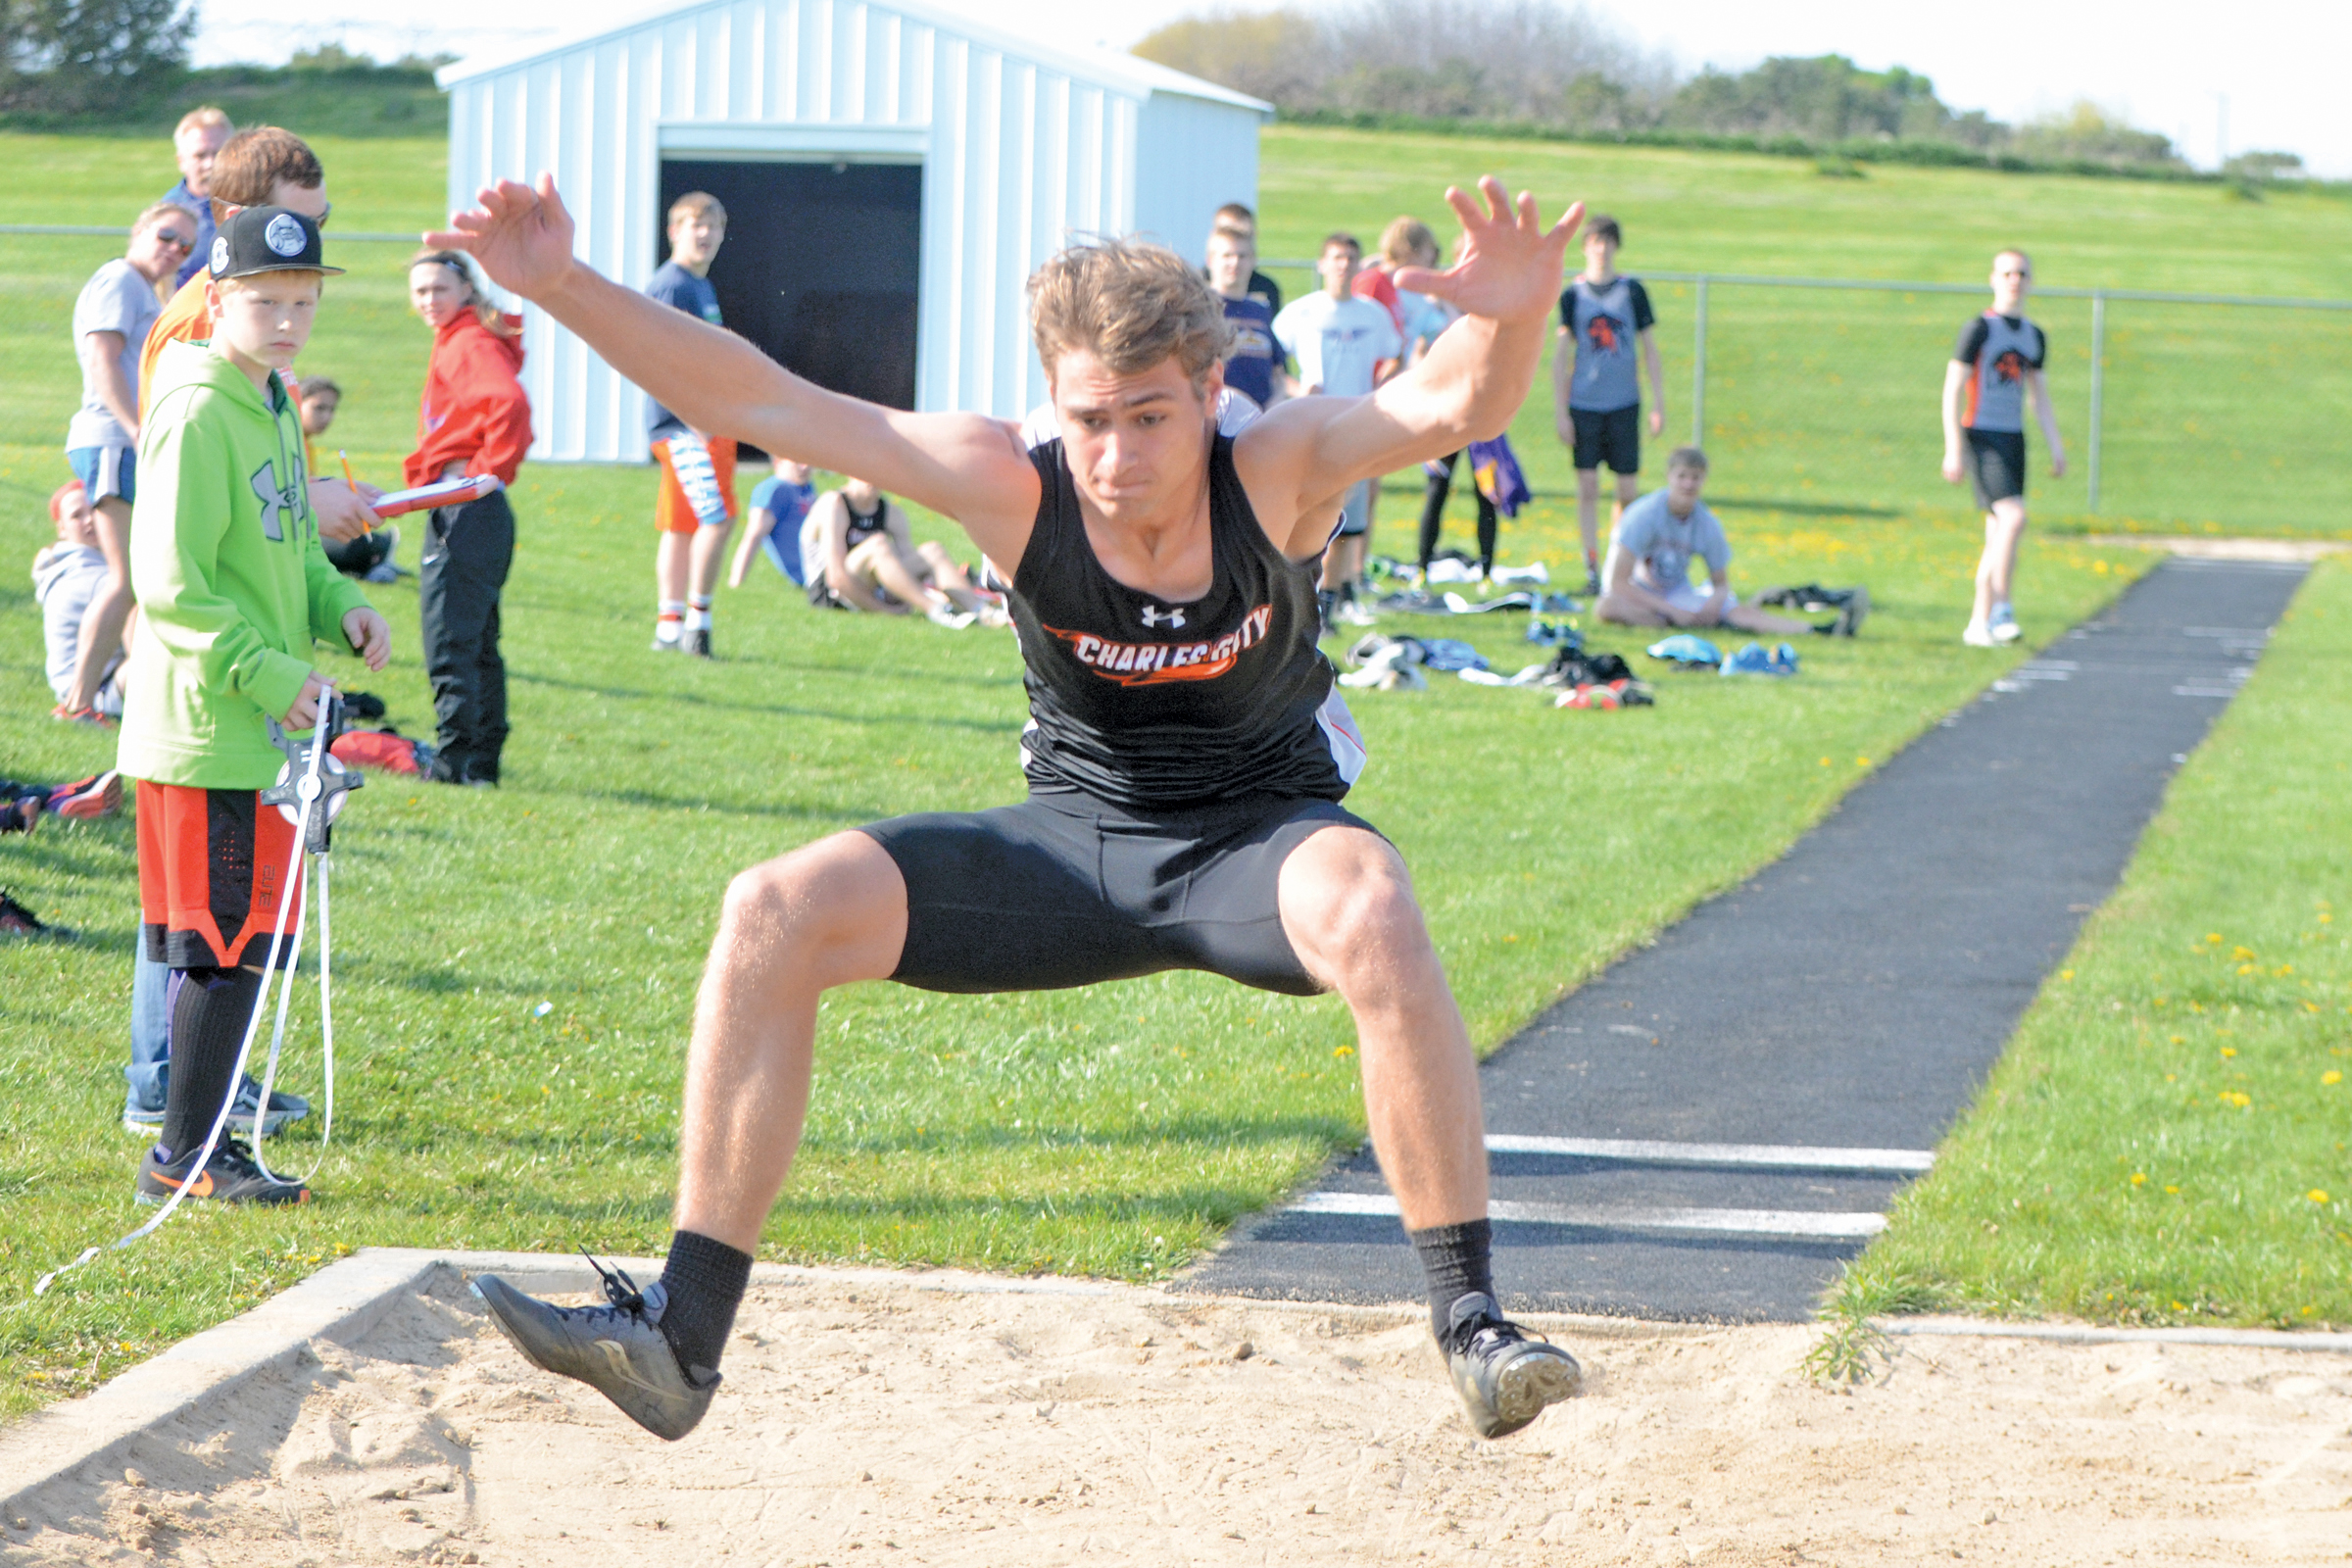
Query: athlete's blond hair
point(1131, 303)
point(201, 117)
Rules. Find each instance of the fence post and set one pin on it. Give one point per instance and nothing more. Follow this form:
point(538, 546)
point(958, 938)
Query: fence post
point(2098, 385)
point(1698, 370)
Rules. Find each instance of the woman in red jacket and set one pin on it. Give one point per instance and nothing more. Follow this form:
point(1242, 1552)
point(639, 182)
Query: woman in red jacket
point(474, 419)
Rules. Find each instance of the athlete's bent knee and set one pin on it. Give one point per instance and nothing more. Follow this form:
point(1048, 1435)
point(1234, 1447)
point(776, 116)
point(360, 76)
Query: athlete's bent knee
point(839, 897)
point(1347, 905)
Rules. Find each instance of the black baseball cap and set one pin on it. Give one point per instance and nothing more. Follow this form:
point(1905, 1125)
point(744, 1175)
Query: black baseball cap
point(268, 239)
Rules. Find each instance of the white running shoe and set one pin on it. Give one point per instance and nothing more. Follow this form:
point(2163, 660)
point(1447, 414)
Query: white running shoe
point(2003, 624)
point(1976, 635)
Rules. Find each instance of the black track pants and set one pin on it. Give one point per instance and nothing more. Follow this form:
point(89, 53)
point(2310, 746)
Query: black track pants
point(467, 550)
point(1433, 517)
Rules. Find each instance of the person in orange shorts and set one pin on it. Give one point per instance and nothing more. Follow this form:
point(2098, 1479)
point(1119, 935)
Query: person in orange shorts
point(696, 506)
point(234, 589)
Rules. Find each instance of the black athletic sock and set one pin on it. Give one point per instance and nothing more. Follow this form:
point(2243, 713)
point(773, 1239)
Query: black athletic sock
point(705, 1280)
point(1458, 1260)
point(1489, 522)
point(208, 1010)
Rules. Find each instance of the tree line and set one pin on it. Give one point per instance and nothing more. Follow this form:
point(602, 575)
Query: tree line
point(1539, 63)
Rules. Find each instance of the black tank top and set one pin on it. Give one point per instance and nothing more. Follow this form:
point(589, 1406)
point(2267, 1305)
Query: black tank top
point(1145, 704)
point(863, 525)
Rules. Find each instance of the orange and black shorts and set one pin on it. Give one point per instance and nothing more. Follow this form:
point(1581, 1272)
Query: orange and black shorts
point(212, 867)
point(698, 480)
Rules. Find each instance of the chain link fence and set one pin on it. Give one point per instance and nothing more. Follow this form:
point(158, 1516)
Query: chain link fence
point(2210, 413)
point(2178, 411)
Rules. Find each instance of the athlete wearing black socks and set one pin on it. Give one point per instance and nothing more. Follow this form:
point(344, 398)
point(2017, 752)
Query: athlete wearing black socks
point(1186, 754)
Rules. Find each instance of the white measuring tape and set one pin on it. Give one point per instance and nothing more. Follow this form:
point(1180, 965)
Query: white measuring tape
point(302, 779)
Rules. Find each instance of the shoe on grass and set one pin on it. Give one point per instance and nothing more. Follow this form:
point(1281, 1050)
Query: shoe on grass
point(1976, 635)
point(2003, 624)
point(230, 1177)
point(619, 1351)
point(1849, 620)
point(100, 795)
point(698, 643)
point(18, 920)
point(1504, 1378)
point(90, 717)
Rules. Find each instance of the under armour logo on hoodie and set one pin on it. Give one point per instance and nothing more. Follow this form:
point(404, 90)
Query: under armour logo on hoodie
point(1154, 615)
point(277, 500)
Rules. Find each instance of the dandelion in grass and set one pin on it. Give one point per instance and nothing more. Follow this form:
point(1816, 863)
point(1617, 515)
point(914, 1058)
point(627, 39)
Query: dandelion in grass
point(2173, 1191)
point(2317, 1195)
point(2331, 1077)
point(2228, 1051)
point(2066, 974)
point(2139, 1178)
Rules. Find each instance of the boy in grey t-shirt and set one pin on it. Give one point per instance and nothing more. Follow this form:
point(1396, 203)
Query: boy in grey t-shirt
point(1646, 580)
point(110, 318)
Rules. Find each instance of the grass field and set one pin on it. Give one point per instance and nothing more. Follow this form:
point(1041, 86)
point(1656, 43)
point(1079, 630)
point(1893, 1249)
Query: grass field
point(2215, 418)
point(2168, 1136)
point(1115, 1132)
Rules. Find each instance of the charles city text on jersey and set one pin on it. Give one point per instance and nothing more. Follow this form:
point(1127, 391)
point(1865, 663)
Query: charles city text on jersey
point(1158, 663)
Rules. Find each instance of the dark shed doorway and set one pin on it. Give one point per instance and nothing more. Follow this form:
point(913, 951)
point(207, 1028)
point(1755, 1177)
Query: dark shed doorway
point(821, 265)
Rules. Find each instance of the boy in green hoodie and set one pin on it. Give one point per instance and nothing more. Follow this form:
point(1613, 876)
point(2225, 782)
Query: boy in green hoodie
point(233, 588)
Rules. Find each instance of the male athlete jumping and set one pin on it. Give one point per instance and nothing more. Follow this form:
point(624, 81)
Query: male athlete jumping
point(1186, 754)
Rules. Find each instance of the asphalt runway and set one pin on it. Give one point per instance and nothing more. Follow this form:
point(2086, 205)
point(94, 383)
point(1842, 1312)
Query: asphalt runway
point(1706, 1129)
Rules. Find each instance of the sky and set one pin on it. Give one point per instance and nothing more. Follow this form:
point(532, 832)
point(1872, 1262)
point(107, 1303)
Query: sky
point(2267, 74)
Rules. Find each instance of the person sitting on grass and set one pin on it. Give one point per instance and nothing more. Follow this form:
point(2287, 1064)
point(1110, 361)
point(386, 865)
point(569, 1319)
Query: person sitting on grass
point(772, 521)
point(859, 555)
point(68, 576)
point(368, 556)
point(233, 590)
point(1646, 579)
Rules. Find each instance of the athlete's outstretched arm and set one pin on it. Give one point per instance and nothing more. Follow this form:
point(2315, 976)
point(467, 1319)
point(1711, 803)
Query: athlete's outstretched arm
point(972, 468)
point(1465, 388)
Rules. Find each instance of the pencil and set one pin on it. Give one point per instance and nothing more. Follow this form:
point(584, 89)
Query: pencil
point(352, 482)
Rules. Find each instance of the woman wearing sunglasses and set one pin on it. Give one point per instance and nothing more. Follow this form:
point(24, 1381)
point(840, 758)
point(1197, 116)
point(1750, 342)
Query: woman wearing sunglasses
point(110, 318)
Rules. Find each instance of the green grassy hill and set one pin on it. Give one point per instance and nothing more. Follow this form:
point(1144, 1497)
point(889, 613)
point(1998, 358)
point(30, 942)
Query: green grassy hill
point(1824, 400)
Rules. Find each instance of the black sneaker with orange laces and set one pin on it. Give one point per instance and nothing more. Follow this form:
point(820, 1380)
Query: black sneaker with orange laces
point(230, 1177)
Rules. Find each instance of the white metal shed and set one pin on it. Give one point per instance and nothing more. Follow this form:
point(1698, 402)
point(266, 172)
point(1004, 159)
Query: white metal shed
point(893, 171)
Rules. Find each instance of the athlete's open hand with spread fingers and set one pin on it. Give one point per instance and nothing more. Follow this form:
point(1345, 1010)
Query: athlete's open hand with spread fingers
point(521, 235)
point(1465, 388)
point(1510, 263)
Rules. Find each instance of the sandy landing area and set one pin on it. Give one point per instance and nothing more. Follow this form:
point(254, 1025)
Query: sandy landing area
point(870, 1422)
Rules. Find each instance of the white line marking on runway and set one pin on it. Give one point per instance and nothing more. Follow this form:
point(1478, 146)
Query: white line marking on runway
point(1772, 1157)
point(1711, 1221)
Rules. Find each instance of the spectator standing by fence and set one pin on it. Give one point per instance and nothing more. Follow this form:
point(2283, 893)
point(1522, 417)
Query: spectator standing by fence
point(474, 418)
point(1995, 366)
point(195, 144)
point(1606, 318)
point(111, 320)
point(1254, 361)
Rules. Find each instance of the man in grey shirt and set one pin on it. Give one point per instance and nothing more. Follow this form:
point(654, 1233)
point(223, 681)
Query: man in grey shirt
point(1646, 580)
point(110, 318)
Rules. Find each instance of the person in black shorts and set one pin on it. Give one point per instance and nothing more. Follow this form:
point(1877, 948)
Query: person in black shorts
point(1996, 365)
point(1606, 323)
point(1186, 757)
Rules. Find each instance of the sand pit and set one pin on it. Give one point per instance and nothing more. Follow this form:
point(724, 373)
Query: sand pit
point(869, 1422)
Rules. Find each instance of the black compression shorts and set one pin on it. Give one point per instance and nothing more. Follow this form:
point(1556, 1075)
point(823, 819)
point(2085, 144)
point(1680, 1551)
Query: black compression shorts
point(1063, 890)
point(1613, 437)
point(1997, 464)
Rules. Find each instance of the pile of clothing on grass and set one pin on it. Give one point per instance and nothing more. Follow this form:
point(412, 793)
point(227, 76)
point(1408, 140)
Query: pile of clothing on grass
point(1582, 680)
point(1696, 655)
